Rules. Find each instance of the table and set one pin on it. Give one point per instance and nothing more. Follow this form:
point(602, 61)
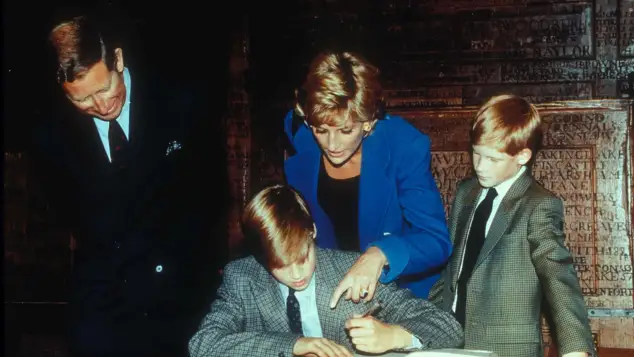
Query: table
point(447, 352)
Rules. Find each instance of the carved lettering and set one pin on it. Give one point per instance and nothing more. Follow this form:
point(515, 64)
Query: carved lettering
point(626, 292)
point(605, 272)
point(502, 33)
point(567, 70)
point(535, 93)
point(448, 168)
point(626, 29)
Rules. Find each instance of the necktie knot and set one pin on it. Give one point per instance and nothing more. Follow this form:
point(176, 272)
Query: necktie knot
point(491, 195)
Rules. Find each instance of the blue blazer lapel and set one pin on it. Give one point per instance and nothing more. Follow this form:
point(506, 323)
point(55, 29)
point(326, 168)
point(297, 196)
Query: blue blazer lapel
point(375, 191)
point(302, 172)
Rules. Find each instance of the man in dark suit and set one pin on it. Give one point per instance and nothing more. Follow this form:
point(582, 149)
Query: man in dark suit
point(127, 169)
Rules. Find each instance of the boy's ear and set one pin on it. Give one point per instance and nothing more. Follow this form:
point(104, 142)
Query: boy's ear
point(314, 231)
point(524, 156)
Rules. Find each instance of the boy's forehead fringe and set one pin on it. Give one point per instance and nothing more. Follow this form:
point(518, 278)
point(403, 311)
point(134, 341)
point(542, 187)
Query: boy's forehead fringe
point(297, 255)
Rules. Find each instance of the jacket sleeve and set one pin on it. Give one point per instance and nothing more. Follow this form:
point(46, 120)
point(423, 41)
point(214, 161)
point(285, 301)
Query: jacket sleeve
point(553, 264)
point(436, 294)
point(299, 136)
point(223, 333)
point(427, 245)
point(433, 327)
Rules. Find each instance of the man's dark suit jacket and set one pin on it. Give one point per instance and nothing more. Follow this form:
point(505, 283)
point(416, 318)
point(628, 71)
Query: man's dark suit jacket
point(142, 232)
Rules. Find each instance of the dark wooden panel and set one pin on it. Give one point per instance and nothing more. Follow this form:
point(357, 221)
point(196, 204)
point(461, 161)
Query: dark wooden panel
point(35, 330)
point(536, 30)
point(615, 352)
point(498, 43)
point(37, 254)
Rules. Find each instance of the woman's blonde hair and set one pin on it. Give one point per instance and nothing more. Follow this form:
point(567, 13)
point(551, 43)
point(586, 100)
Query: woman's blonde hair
point(340, 85)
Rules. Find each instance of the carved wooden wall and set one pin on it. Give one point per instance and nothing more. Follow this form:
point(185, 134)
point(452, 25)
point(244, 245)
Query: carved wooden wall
point(545, 51)
point(438, 53)
point(238, 128)
point(37, 264)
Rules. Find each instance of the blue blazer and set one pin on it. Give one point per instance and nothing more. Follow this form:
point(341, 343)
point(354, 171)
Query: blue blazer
point(400, 209)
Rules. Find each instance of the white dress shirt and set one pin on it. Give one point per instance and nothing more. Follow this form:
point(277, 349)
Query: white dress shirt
point(307, 308)
point(311, 326)
point(123, 119)
point(501, 189)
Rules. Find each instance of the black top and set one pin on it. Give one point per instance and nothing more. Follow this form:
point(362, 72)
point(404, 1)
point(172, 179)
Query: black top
point(340, 201)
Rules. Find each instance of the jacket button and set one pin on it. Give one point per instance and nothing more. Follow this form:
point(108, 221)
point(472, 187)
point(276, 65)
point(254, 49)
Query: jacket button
point(159, 268)
point(117, 244)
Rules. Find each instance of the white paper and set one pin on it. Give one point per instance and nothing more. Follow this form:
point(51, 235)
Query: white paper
point(452, 353)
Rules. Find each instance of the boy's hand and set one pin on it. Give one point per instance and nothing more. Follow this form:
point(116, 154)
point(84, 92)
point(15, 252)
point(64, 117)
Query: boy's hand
point(374, 336)
point(321, 347)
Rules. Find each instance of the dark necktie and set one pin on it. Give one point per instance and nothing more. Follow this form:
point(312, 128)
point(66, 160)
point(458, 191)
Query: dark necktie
point(118, 143)
point(477, 233)
point(292, 310)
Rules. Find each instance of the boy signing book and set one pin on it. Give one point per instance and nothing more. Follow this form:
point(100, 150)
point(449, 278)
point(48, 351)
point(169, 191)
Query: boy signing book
point(276, 302)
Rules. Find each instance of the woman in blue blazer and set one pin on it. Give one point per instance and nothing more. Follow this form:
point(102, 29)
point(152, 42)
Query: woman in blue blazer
point(366, 177)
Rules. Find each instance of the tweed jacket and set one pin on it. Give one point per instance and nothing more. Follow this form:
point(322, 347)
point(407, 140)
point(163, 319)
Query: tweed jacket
point(523, 269)
point(248, 317)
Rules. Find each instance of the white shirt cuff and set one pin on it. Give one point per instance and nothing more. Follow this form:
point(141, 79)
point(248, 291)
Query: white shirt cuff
point(416, 344)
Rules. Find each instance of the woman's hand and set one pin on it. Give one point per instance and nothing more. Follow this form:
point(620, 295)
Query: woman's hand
point(360, 281)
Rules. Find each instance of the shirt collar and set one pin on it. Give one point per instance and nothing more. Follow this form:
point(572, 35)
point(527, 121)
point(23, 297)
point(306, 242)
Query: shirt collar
point(505, 186)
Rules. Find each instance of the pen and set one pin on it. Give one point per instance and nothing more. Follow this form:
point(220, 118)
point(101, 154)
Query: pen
point(374, 309)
